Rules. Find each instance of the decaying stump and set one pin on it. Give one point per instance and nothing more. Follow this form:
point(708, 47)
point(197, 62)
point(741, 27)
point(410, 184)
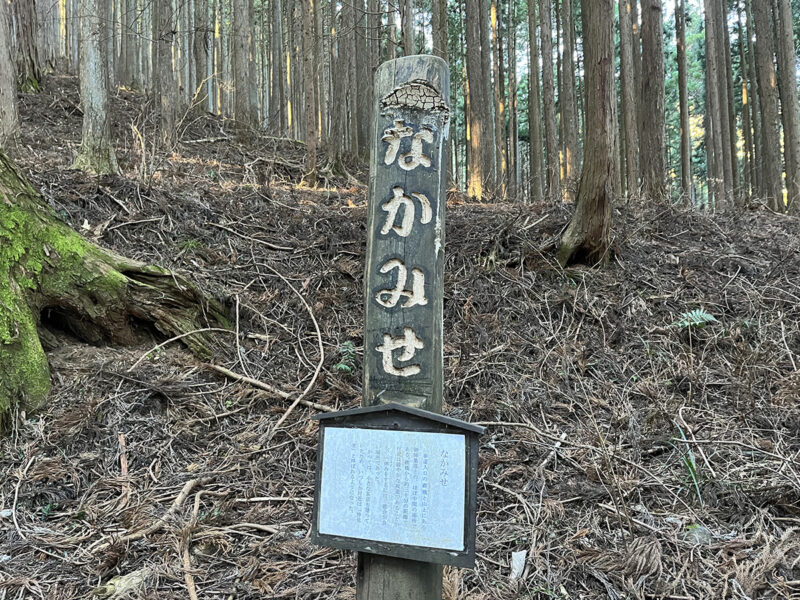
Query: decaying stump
point(97, 295)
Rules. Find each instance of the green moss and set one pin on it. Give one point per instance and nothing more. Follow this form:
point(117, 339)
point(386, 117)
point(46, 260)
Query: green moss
point(31, 239)
point(97, 160)
point(45, 263)
point(29, 85)
point(24, 372)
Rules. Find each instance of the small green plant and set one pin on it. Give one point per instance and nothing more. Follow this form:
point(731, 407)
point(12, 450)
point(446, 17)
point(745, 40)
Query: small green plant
point(190, 244)
point(48, 509)
point(694, 318)
point(690, 464)
point(155, 354)
point(347, 358)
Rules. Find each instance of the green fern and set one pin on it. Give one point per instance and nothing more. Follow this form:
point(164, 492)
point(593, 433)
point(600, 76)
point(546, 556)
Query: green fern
point(694, 318)
point(347, 358)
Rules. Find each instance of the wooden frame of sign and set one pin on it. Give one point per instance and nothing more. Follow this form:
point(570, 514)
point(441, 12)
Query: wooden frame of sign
point(398, 420)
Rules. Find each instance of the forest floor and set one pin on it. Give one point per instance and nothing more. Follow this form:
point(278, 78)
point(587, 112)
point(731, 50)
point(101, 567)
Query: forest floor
point(627, 453)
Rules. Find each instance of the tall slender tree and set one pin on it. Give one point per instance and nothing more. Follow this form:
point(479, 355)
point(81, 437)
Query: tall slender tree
point(337, 141)
point(755, 100)
point(536, 174)
point(630, 143)
point(747, 119)
point(714, 155)
point(481, 139)
point(683, 99)
point(322, 66)
point(310, 115)
point(513, 120)
point(407, 17)
point(392, 42)
point(364, 76)
point(787, 69)
point(485, 81)
point(164, 27)
point(587, 236)
point(202, 46)
point(277, 99)
point(553, 176)
point(244, 112)
point(29, 72)
point(47, 33)
point(9, 117)
point(125, 64)
point(96, 154)
point(569, 111)
point(715, 53)
point(73, 24)
point(652, 136)
point(439, 27)
point(730, 112)
point(636, 51)
point(499, 98)
point(770, 190)
point(353, 84)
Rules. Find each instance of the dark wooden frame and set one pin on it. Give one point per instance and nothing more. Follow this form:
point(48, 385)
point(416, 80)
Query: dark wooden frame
point(397, 417)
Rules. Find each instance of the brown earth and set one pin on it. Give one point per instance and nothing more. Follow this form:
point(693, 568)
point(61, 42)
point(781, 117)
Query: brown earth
point(630, 454)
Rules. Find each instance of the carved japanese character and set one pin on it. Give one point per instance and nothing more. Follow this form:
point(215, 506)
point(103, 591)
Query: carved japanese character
point(414, 158)
point(409, 343)
point(411, 160)
point(393, 136)
point(392, 206)
point(390, 297)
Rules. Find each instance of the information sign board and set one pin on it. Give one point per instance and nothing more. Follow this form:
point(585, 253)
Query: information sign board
point(397, 481)
point(403, 487)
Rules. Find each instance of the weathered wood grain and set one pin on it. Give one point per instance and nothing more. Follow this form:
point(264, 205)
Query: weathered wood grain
point(411, 98)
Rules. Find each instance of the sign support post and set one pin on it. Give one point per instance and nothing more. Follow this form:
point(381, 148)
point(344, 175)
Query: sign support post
point(404, 274)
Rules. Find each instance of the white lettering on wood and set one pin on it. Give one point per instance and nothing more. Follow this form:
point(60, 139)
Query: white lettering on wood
point(390, 297)
point(411, 160)
point(409, 343)
point(391, 207)
point(392, 136)
point(408, 160)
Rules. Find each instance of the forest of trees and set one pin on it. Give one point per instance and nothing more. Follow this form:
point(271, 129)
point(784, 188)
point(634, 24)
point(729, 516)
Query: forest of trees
point(705, 102)
point(617, 301)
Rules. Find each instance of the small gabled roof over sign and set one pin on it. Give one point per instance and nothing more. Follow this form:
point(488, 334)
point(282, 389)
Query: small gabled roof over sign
point(394, 407)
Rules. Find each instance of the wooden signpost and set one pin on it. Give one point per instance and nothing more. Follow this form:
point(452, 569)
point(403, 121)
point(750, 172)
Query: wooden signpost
point(395, 480)
point(405, 243)
point(405, 263)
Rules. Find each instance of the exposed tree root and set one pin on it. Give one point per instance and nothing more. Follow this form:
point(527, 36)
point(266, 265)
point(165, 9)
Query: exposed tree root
point(49, 271)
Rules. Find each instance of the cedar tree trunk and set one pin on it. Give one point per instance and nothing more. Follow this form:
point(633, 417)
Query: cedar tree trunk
point(310, 116)
point(28, 71)
point(96, 293)
point(587, 236)
point(536, 174)
point(787, 83)
point(9, 117)
point(96, 154)
point(569, 108)
point(683, 93)
point(651, 133)
point(771, 183)
point(553, 175)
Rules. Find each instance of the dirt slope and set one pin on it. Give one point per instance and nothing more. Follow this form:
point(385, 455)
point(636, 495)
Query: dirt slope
point(629, 454)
